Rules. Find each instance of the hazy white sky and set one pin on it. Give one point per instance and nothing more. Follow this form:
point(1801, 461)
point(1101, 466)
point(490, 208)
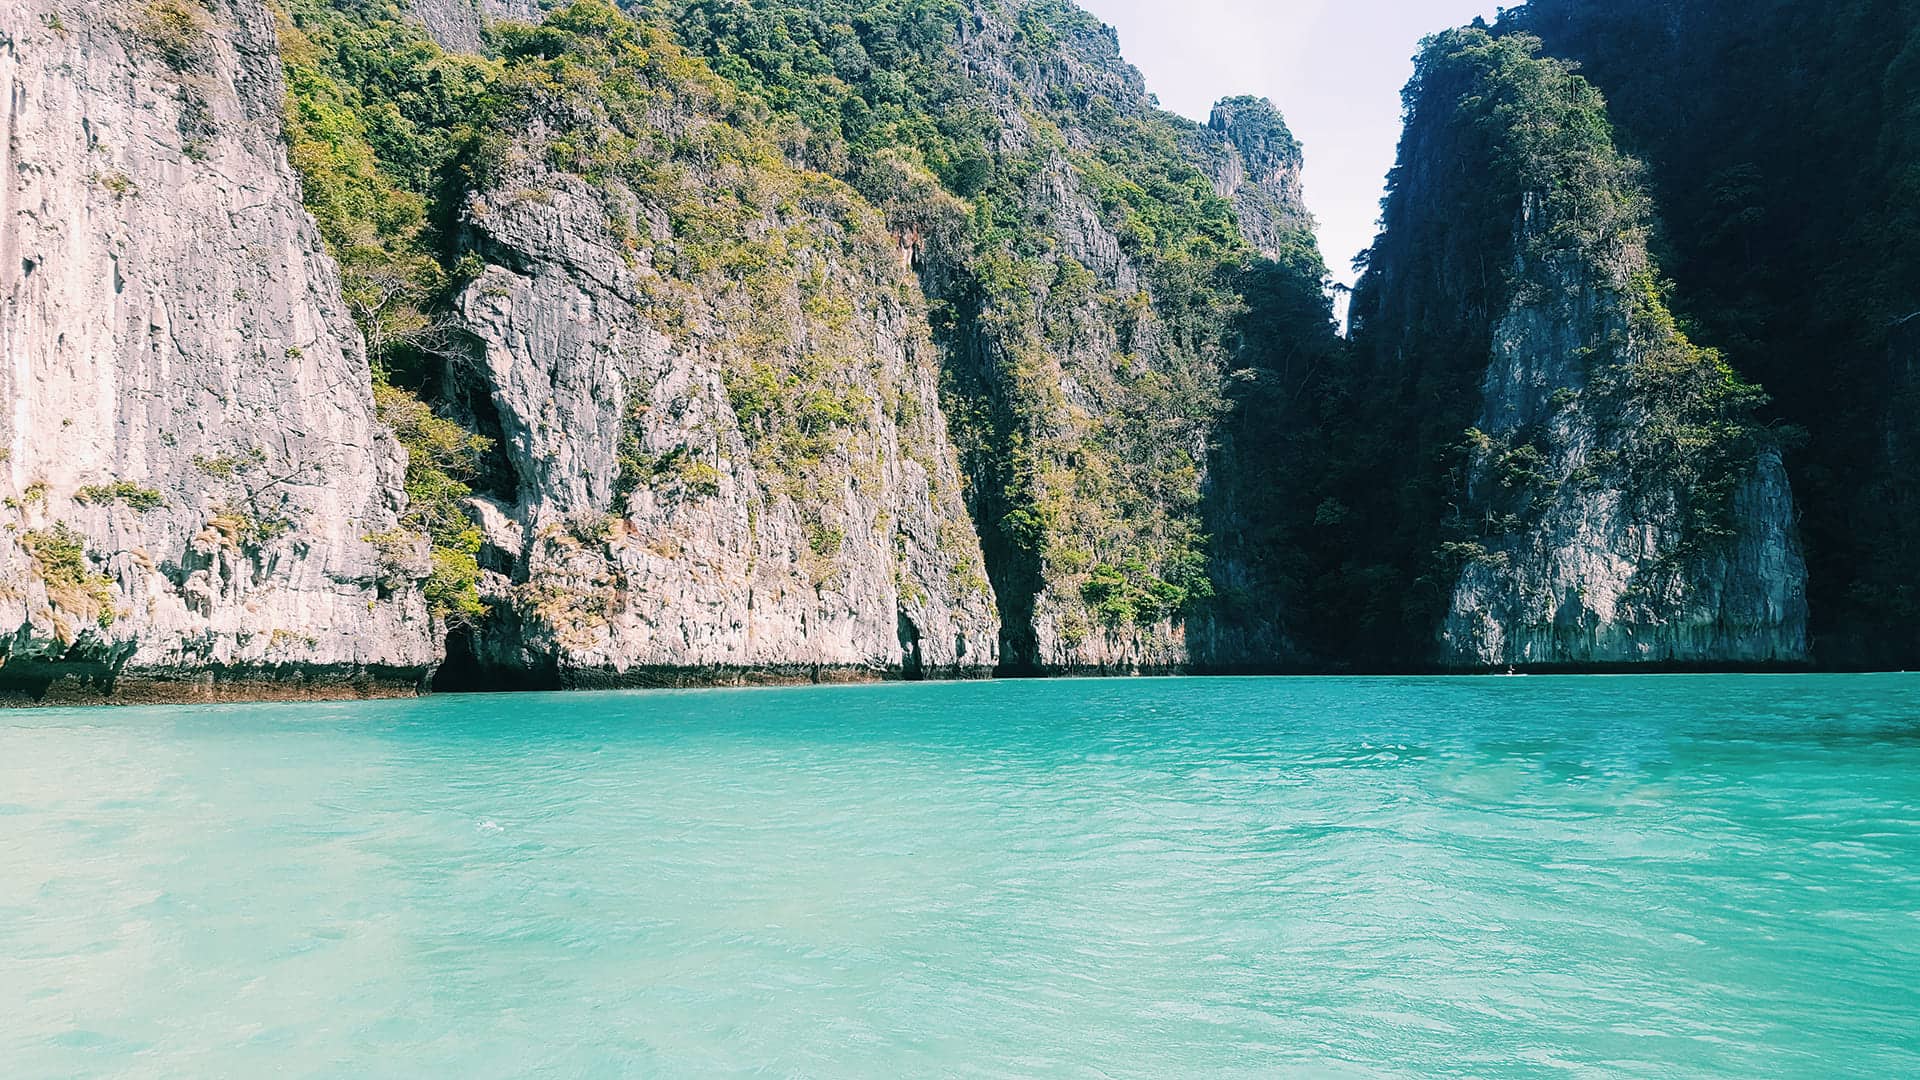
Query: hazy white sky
point(1335, 68)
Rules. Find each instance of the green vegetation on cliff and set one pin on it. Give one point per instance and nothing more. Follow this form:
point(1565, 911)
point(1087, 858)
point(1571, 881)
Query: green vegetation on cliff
point(406, 149)
point(761, 262)
point(1783, 143)
point(1086, 277)
point(74, 587)
point(386, 131)
point(1511, 196)
point(1084, 380)
point(852, 78)
point(383, 128)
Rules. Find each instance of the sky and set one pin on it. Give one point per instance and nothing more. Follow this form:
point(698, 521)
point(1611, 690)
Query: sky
point(1334, 67)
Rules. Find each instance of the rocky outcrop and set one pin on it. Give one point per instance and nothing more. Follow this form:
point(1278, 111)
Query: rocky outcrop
point(188, 450)
point(1098, 384)
point(1286, 330)
point(712, 483)
point(995, 403)
point(1255, 161)
point(459, 25)
point(1066, 347)
point(1614, 502)
point(1600, 568)
point(455, 25)
point(1780, 139)
point(1593, 585)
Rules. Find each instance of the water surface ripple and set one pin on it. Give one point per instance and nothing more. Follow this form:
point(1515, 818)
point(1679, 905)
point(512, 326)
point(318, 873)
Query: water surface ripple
point(1658, 877)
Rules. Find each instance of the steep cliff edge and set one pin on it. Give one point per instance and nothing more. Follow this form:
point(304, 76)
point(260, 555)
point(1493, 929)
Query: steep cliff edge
point(1782, 139)
point(189, 450)
point(729, 464)
point(1085, 255)
point(683, 342)
point(1613, 501)
point(1256, 162)
point(1106, 354)
point(718, 452)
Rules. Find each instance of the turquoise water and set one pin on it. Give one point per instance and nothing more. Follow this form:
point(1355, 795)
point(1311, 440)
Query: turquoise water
point(1673, 877)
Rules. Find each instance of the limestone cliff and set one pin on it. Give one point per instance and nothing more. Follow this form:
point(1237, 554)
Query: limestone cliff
point(1092, 334)
point(1255, 161)
point(724, 453)
point(1066, 315)
point(1613, 501)
point(459, 25)
point(1781, 138)
point(188, 450)
point(1596, 557)
point(922, 345)
point(712, 396)
point(656, 524)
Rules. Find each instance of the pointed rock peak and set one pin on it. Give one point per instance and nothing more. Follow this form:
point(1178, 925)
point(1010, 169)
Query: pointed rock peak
point(1254, 125)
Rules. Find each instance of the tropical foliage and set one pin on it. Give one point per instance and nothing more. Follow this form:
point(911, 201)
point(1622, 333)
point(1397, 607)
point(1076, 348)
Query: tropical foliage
point(1783, 140)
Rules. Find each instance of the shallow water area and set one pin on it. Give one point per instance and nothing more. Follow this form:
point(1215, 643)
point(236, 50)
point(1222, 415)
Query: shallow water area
point(1661, 877)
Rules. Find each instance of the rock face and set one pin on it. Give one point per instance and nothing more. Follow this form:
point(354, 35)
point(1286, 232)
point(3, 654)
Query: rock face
point(1614, 502)
point(1604, 573)
point(1589, 588)
point(1256, 162)
point(1097, 367)
point(1780, 141)
point(755, 407)
point(711, 482)
point(1056, 350)
point(1286, 332)
point(188, 449)
point(457, 25)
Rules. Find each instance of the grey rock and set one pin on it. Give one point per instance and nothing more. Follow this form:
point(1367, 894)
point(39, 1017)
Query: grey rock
point(719, 564)
point(172, 325)
point(455, 25)
point(1089, 347)
point(1256, 162)
point(1603, 573)
point(458, 25)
